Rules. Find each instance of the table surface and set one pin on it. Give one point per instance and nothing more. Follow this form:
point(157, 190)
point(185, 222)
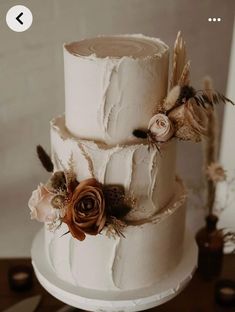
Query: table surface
point(198, 296)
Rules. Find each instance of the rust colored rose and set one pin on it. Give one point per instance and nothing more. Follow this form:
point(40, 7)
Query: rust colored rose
point(85, 212)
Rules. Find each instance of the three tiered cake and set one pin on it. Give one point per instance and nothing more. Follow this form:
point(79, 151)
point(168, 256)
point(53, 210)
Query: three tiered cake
point(114, 208)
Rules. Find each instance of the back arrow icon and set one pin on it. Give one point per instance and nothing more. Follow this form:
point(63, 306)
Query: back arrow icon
point(18, 18)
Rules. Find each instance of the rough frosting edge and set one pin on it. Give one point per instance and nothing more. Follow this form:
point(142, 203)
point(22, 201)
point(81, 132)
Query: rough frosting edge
point(177, 202)
point(93, 56)
point(59, 126)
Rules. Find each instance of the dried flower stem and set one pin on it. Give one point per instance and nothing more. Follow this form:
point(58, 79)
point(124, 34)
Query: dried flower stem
point(211, 143)
point(212, 128)
point(210, 196)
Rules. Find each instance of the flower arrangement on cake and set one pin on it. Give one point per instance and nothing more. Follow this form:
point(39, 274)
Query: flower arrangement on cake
point(185, 112)
point(86, 206)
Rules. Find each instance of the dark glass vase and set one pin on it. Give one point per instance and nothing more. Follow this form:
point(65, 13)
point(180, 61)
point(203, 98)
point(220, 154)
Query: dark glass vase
point(210, 244)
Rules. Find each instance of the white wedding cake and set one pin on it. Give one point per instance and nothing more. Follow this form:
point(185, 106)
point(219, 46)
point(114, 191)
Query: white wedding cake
point(114, 208)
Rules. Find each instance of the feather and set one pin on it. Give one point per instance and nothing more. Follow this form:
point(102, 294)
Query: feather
point(45, 159)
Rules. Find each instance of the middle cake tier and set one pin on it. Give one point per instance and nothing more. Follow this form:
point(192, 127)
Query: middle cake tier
point(147, 174)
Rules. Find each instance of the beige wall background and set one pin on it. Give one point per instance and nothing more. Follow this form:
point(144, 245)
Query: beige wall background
point(32, 89)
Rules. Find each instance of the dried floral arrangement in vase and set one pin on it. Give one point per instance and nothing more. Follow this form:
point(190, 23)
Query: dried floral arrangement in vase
point(211, 240)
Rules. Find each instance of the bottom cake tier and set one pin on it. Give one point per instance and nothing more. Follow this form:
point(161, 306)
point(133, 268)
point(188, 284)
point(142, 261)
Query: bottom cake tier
point(150, 250)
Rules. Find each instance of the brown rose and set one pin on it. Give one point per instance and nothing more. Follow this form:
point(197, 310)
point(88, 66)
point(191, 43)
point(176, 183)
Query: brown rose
point(190, 121)
point(85, 212)
point(161, 128)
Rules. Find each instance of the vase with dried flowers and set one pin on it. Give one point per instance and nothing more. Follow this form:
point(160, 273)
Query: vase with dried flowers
point(210, 240)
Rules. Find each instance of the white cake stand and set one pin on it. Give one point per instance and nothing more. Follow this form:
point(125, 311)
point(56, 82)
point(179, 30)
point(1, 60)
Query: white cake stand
point(111, 301)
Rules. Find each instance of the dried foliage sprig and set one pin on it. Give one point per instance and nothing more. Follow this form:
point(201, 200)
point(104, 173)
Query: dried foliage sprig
point(71, 179)
point(45, 159)
point(206, 98)
point(115, 227)
point(88, 159)
point(202, 98)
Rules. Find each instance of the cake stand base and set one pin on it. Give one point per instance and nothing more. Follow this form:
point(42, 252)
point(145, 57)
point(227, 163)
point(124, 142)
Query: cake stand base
point(115, 301)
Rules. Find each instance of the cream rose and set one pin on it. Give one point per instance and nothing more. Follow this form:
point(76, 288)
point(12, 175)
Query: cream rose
point(161, 128)
point(40, 205)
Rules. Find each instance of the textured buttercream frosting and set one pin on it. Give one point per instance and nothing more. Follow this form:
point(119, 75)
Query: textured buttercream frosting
point(146, 174)
point(146, 254)
point(113, 85)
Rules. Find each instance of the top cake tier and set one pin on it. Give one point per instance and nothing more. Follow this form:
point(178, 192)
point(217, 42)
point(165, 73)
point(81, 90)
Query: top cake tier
point(113, 86)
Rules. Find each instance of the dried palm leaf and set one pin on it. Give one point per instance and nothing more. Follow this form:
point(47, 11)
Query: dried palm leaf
point(179, 60)
point(184, 78)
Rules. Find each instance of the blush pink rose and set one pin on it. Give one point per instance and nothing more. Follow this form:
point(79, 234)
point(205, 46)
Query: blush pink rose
point(40, 205)
point(161, 128)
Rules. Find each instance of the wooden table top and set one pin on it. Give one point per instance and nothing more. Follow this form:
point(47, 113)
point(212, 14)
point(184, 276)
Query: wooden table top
point(198, 296)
